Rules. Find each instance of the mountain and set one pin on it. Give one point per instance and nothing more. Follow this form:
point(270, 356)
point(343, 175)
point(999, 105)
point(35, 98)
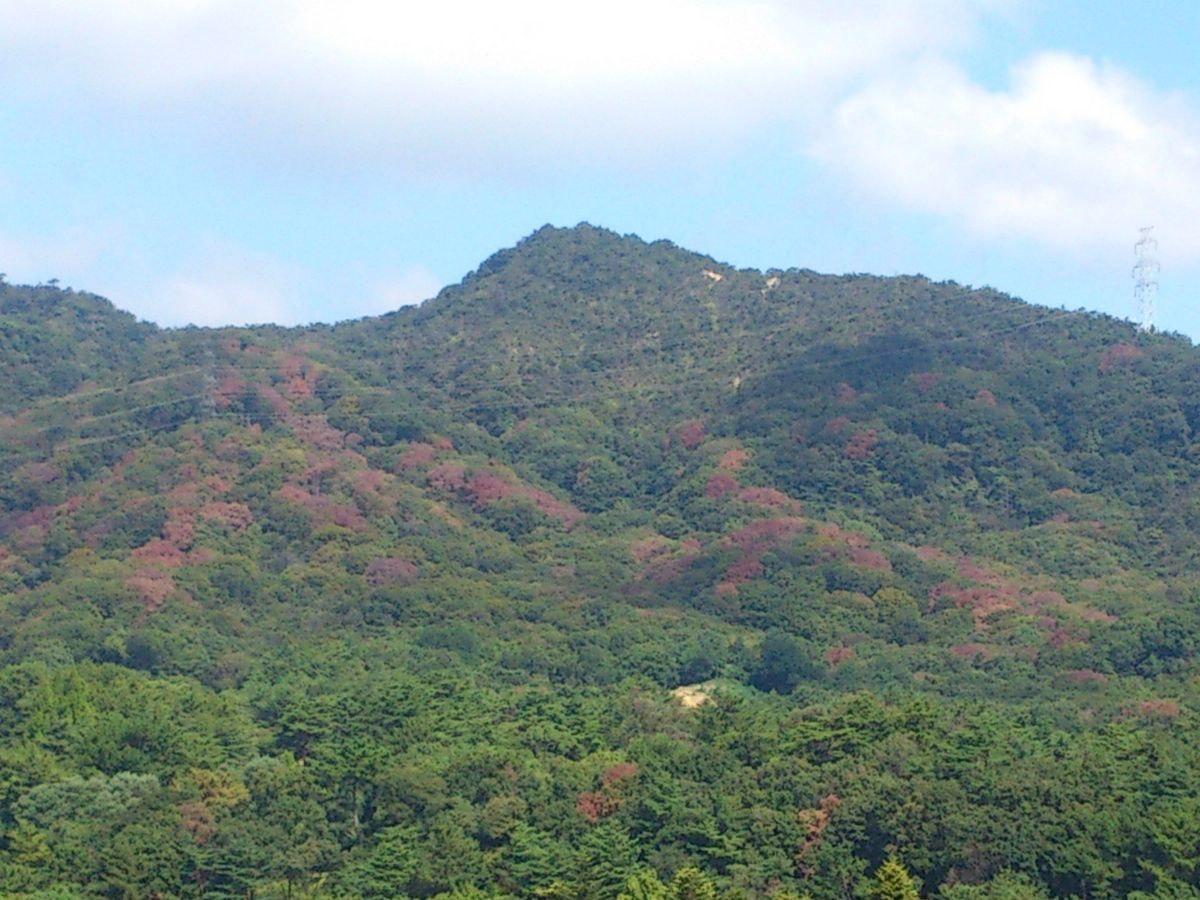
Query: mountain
point(611, 570)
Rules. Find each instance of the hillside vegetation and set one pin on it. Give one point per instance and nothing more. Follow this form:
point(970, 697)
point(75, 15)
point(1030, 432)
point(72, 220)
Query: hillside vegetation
point(610, 571)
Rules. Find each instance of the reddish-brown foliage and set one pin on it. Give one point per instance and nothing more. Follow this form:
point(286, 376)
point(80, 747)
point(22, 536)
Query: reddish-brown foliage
point(76, 502)
point(618, 772)
point(725, 589)
point(832, 532)
point(229, 387)
point(38, 517)
point(661, 571)
point(443, 443)
point(835, 656)
point(274, 399)
point(40, 472)
point(745, 569)
point(368, 481)
point(973, 651)
point(983, 601)
point(198, 821)
point(931, 554)
point(390, 570)
point(297, 389)
point(836, 425)
point(972, 571)
point(316, 432)
point(152, 587)
point(448, 477)
point(346, 517)
point(594, 805)
point(691, 434)
point(218, 485)
point(235, 515)
point(927, 381)
point(547, 503)
point(1085, 676)
point(1060, 637)
point(844, 394)
point(184, 494)
point(159, 552)
point(720, 484)
point(1047, 600)
point(732, 460)
point(1118, 355)
point(860, 445)
point(230, 449)
point(649, 548)
point(323, 510)
point(814, 822)
point(1158, 709)
point(418, 455)
point(768, 498)
point(291, 367)
point(28, 541)
point(984, 397)
point(766, 533)
point(871, 560)
point(485, 488)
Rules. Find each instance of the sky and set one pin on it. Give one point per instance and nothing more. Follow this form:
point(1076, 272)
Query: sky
point(219, 162)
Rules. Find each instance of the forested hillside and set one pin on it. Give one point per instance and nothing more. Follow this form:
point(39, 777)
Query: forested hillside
point(612, 571)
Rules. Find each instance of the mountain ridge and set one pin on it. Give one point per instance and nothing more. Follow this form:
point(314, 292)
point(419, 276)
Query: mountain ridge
point(908, 549)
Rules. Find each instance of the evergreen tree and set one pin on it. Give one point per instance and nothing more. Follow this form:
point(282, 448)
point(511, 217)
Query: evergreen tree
point(690, 883)
point(892, 882)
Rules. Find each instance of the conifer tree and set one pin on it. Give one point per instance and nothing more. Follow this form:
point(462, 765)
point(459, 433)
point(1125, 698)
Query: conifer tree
point(892, 882)
point(690, 883)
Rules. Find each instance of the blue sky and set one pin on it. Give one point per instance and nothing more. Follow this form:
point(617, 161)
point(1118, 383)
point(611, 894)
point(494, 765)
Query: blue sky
point(216, 162)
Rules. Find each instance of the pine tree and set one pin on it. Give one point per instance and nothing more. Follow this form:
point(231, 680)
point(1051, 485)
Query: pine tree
point(892, 882)
point(690, 883)
point(644, 885)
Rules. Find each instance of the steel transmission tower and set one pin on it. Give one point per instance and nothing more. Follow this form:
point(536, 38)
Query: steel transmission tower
point(1145, 278)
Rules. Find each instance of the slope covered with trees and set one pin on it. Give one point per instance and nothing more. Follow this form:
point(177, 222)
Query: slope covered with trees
point(611, 570)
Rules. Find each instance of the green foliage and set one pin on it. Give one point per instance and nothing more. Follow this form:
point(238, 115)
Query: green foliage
point(892, 882)
point(396, 607)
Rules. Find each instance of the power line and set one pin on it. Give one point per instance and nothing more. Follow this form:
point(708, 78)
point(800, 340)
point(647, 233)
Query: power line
point(562, 397)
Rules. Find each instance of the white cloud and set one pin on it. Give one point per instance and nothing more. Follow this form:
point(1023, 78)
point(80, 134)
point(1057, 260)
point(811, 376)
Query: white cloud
point(463, 86)
point(411, 286)
point(201, 300)
point(66, 255)
point(1074, 156)
point(221, 285)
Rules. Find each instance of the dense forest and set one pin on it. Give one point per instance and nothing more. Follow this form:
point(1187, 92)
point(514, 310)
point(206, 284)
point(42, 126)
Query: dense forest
point(610, 572)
